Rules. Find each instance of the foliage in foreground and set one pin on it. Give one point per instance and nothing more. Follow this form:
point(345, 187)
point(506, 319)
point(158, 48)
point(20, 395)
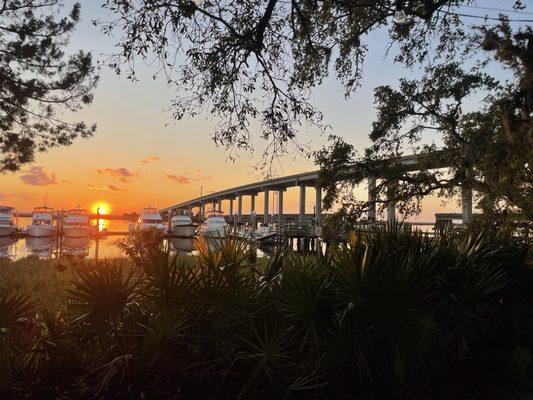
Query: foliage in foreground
point(392, 314)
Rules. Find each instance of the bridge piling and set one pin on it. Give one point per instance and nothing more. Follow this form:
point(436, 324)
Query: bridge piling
point(280, 207)
point(265, 207)
point(302, 203)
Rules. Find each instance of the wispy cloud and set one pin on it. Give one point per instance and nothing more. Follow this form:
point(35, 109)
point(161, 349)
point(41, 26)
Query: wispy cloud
point(15, 196)
point(150, 159)
point(38, 176)
point(181, 179)
point(108, 188)
point(188, 177)
point(122, 174)
point(200, 176)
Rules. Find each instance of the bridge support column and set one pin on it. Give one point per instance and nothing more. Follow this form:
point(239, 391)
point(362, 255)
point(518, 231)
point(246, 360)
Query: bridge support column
point(239, 209)
point(302, 204)
point(252, 211)
point(466, 200)
point(318, 206)
point(265, 207)
point(231, 208)
point(391, 204)
point(202, 211)
point(372, 182)
point(280, 209)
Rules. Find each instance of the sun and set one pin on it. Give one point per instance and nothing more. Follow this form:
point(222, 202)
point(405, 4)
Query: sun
point(102, 206)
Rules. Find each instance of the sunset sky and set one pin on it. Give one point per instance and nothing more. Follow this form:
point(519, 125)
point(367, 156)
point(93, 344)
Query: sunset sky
point(139, 156)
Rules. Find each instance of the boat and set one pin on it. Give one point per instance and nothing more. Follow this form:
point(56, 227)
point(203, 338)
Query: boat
point(76, 223)
point(42, 222)
point(6, 252)
point(265, 231)
point(75, 246)
point(41, 246)
point(182, 244)
point(214, 226)
point(151, 219)
point(7, 227)
point(182, 226)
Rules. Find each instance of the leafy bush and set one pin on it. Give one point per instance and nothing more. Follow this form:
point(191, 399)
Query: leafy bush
point(390, 313)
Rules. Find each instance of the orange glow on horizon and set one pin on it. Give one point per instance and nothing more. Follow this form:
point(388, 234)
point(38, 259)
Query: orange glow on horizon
point(101, 207)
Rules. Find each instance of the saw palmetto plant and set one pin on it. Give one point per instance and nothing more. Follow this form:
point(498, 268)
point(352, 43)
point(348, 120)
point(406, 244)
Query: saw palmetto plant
point(388, 314)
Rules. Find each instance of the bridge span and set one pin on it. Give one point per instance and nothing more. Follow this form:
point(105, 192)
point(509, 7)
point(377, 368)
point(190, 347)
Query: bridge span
point(304, 181)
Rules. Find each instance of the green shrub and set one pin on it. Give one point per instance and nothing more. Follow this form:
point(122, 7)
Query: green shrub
point(392, 313)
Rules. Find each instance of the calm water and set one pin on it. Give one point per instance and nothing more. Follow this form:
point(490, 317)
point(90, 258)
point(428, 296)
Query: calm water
point(49, 247)
point(14, 249)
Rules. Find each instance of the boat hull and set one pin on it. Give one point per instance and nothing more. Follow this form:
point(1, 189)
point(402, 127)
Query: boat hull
point(218, 232)
point(7, 230)
point(77, 231)
point(40, 246)
point(183, 230)
point(76, 246)
point(160, 227)
point(40, 230)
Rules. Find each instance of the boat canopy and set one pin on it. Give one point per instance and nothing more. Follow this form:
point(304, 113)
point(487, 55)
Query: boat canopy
point(150, 214)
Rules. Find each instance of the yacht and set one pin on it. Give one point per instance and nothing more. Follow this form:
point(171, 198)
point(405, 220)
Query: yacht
point(150, 218)
point(6, 252)
point(181, 225)
point(75, 246)
point(41, 247)
point(265, 231)
point(7, 227)
point(42, 222)
point(214, 226)
point(76, 223)
point(182, 244)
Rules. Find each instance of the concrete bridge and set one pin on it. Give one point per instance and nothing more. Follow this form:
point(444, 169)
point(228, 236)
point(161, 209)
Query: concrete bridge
point(303, 181)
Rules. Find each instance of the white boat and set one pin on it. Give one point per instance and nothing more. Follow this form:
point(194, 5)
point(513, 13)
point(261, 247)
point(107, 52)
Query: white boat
point(5, 244)
point(42, 222)
point(182, 244)
point(75, 246)
point(76, 224)
point(181, 225)
point(214, 226)
point(41, 247)
point(7, 227)
point(151, 219)
point(265, 231)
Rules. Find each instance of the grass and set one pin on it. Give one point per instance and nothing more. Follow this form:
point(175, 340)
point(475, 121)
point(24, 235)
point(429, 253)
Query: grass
point(391, 314)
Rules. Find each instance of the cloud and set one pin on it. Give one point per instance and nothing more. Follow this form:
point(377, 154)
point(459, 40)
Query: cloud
point(189, 178)
point(200, 176)
point(150, 159)
point(37, 176)
point(108, 188)
point(15, 196)
point(181, 179)
point(122, 174)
